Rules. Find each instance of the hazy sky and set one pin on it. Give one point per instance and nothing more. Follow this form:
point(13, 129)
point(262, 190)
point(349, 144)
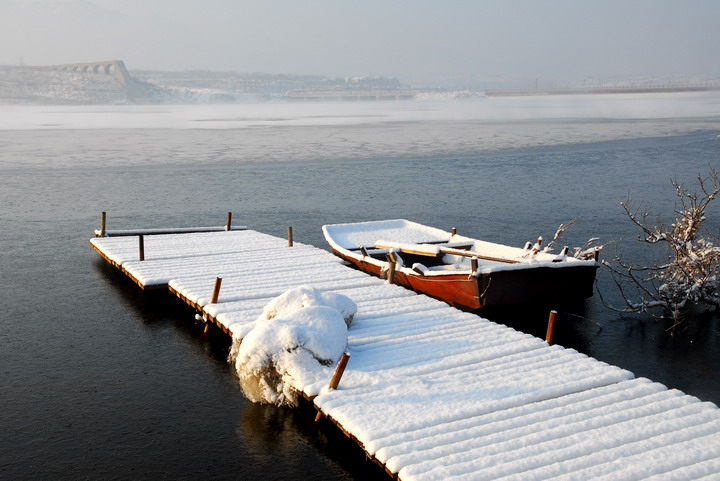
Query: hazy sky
point(412, 40)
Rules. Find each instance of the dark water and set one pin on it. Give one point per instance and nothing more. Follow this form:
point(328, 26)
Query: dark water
point(100, 381)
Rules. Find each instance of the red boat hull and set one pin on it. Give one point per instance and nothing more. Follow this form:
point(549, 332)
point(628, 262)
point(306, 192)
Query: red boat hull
point(504, 287)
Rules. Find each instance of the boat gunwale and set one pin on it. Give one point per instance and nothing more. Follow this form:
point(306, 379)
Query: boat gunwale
point(354, 254)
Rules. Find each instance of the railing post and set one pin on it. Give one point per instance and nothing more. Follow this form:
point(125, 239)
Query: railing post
point(141, 247)
point(103, 218)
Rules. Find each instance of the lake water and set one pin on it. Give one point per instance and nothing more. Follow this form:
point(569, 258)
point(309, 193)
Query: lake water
point(100, 381)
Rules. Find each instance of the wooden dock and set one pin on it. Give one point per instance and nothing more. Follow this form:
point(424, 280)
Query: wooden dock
point(433, 393)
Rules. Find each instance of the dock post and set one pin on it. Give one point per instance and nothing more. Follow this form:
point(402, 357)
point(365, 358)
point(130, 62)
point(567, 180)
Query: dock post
point(228, 225)
point(596, 254)
point(339, 370)
point(335, 381)
point(550, 327)
point(391, 267)
point(290, 237)
point(103, 218)
point(141, 247)
point(216, 290)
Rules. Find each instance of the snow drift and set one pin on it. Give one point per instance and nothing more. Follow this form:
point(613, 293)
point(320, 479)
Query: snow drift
point(297, 339)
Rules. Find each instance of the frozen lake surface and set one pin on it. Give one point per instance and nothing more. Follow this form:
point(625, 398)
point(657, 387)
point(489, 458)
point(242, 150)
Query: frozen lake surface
point(201, 134)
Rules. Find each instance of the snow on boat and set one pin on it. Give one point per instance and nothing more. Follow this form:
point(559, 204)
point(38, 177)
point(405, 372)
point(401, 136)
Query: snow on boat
point(467, 273)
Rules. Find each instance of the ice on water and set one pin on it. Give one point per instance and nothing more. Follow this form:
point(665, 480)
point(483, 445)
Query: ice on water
point(351, 130)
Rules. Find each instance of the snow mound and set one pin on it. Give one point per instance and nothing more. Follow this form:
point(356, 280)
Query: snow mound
point(297, 339)
point(306, 296)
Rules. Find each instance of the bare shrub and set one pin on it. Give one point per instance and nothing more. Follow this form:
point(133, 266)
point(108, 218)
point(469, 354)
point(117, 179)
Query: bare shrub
point(689, 278)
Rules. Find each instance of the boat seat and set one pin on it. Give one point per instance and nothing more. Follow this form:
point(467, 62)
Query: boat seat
point(448, 267)
point(466, 245)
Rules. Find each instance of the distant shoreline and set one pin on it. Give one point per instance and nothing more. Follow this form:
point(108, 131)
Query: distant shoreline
point(600, 90)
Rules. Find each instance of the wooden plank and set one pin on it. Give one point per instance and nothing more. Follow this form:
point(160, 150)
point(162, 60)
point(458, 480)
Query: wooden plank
point(464, 253)
point(409, 249)
point(417, 249)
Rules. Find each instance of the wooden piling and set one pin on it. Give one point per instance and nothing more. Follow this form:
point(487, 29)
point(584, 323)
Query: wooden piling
point(550, 328)
point(596, 254)
point(339, 370)
point(228, 224)
point(216, 290)
point(290, 236)
point(335, 381)
point(103, 218)
point(391, 267)
point(141, 247)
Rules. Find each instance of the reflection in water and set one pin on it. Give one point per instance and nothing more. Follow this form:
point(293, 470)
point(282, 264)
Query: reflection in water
point(265, 428)
point(270, 430)
point(572, 323)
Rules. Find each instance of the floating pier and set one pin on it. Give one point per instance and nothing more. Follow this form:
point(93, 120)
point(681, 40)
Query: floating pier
point(433, 393)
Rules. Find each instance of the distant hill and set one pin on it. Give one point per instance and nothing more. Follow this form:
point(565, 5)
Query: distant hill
point(44, 85)
point(37, 85)
point(209, 86)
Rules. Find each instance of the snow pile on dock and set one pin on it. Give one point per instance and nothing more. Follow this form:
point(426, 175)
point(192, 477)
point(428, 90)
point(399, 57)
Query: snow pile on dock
point(294, 342)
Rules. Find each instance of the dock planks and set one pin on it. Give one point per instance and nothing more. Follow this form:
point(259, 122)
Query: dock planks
point(433, 393)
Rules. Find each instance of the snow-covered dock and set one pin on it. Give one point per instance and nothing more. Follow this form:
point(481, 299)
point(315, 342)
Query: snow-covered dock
point(433, 393)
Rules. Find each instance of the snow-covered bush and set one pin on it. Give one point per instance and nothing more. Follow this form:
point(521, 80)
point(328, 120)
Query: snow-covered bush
point(296, 340)
point(689, 278)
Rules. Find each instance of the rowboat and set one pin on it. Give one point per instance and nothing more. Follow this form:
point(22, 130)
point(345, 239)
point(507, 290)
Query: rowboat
point(464, 272)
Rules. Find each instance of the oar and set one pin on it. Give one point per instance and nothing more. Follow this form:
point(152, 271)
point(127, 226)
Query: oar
point(431, 250)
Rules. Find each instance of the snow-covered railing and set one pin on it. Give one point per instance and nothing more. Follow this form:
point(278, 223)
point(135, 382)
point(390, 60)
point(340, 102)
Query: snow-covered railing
point(175, 230)
point(104, 232)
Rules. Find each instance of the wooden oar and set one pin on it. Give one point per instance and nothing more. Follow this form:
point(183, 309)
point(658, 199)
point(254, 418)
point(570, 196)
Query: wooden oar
point(431, 250)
